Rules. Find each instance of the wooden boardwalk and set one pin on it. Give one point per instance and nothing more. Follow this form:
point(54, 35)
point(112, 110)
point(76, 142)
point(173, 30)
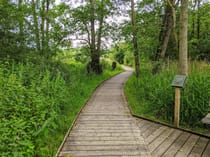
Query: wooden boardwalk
point(105, 127)
point(164, 141)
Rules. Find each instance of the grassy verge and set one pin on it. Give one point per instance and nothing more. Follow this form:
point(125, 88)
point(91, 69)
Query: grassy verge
point(152, 96)
point(38, 103)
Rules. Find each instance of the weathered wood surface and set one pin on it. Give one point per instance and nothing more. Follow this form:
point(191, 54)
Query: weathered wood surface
point(105, 127)
point(164, 141)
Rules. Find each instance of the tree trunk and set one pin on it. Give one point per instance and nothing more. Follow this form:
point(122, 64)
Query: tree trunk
point(164, 37)
point(95, 58)
point(164, 34)
point(183, 54)
point(42, 27)
point(36, 26)
point(198, 19)
point(135, 40)
point(21, 33)
point(101, 20)
point(47, 26)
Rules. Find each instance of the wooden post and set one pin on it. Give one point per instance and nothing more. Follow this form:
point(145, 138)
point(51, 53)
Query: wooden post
point(177, 107)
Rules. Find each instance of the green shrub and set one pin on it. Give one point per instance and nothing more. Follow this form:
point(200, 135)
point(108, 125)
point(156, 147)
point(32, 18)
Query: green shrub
point(152, 95)
point(38, 103)
point(30, 102)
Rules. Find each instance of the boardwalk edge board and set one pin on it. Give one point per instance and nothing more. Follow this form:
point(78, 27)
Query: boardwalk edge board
point(83, 106)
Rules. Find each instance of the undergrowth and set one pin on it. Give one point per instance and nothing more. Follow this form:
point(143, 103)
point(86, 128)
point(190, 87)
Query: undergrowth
point(152, 96)
point(38, 103)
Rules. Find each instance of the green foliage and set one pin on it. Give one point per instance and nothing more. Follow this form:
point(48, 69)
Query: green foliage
point(19, 28)
point(148, 26)
point(152, 95)
point(119, 57)
point(38, 104)
point(30, 99)
point(82, 55)
point(150, 17)
point(123, 53)
point(199, 45)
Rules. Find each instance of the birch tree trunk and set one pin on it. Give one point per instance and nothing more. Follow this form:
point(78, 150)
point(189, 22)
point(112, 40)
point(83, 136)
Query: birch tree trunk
point(183, 52)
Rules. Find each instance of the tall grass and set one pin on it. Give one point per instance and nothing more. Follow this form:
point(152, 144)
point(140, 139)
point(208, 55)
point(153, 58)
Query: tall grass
point(152, 95)
point(38, 103)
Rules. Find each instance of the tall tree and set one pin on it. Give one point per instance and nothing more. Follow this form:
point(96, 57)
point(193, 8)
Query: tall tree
point(101, 21)
point(135, 41)
point(165, 33)
point(183, 53)
point(95, 57)
point(89, 25)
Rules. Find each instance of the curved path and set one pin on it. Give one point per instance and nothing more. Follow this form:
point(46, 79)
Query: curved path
point(105, 127)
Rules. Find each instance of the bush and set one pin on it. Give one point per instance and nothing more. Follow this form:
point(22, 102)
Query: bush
point(38, 103)
point(30, 103)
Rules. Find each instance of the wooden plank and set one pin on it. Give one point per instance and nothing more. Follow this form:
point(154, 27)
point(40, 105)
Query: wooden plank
point(104, 114)
point(102, 142)
point(102, 153)
point(103, 128)
point(105, 124)
point(199, 147)
point(206, 153)
point(187, 147)
point(142, 123)
point(105, 134)
point(105, 131)
point(106, 117)
point(173, 149)
point(101, 138)
point(157, 141)
point(163, 147)
point(150, 138)
point(101, 147)
point(177, 107)
point(151, 129)
point(104, 121)
point(146, 126)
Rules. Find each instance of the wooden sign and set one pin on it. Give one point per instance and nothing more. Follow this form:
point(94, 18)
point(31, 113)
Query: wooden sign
point(179, 81)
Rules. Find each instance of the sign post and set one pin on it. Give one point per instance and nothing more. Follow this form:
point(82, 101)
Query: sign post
point(178, 82)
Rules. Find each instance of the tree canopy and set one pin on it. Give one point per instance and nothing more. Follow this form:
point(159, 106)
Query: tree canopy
point(45, 27)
